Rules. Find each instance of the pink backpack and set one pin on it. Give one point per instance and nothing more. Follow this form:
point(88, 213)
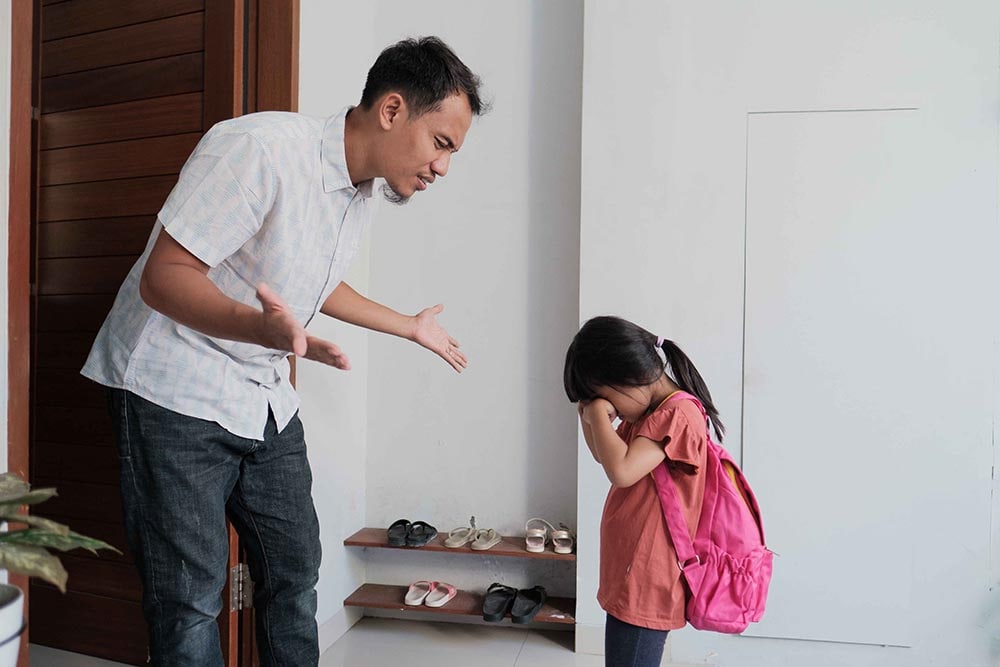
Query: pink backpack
point(728, 567)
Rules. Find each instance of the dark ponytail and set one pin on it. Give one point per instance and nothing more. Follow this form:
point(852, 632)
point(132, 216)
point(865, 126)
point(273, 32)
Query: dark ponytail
point(687, 377)
point(611, 352)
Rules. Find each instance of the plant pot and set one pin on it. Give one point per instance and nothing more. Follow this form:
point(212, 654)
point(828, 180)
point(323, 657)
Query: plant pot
point(11, 624)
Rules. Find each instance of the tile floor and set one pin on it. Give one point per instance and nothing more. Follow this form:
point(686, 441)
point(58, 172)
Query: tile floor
point(377, 642)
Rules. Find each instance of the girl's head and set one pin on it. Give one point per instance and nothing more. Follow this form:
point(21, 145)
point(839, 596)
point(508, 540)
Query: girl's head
point(614, 359)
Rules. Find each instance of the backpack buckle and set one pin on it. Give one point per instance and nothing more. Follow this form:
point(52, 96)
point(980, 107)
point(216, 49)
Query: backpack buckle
point(696, 560)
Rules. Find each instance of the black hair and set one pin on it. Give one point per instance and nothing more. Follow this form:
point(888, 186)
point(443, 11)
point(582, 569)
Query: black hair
point(424, 71)
point(611, 352)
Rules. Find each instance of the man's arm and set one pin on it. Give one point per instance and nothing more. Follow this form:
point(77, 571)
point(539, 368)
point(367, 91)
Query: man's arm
point(346, 305)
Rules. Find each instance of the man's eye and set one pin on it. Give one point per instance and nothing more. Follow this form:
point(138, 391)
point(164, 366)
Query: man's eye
point(439, 143)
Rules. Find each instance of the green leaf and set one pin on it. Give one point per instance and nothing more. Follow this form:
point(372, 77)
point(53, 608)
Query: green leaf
point(34, 562)
point(42, 538)
point(38, 522)
point(15, 491)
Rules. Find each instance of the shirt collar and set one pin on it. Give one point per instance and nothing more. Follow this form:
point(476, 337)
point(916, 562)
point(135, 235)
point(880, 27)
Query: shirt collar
point(334, 156)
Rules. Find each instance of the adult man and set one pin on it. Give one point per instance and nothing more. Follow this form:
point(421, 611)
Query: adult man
point(269, 208)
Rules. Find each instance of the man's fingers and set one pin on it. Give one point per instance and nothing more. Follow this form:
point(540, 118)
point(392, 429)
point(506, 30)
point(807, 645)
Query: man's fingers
point(300, 344)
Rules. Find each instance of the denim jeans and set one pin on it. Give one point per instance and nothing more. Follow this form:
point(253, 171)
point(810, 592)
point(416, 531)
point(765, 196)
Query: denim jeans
point(627, 645)
point(180, 478)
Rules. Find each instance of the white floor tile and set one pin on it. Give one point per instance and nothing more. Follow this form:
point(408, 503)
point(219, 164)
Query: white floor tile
point(43, 656)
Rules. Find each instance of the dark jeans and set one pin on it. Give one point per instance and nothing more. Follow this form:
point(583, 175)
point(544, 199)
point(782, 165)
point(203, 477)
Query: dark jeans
point(627, 645)
point(180, 478)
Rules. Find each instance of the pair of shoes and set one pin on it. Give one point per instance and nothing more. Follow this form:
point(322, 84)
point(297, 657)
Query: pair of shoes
point(402, 533)
point(522, 605)
point(538, 533)
point(481, 539)
point(429, 593)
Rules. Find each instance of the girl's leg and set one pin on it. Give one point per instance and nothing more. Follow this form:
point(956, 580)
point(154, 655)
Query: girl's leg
point(627, 645)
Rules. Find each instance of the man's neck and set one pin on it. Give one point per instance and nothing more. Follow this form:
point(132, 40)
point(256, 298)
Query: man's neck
point(358, 146)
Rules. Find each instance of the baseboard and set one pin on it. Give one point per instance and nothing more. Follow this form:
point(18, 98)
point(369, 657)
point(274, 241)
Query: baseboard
point(335, 628)
point(590, 639)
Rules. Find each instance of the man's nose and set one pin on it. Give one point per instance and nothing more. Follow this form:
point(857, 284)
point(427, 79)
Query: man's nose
point(440, 165)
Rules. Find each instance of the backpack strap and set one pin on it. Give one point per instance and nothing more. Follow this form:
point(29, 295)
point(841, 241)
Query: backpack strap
point(676, 524)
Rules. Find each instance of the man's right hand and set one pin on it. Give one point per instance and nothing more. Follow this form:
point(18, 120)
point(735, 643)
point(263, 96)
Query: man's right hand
point(281, 331)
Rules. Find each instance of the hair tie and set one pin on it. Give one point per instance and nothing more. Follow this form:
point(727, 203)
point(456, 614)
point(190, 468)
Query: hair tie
point(659, 341)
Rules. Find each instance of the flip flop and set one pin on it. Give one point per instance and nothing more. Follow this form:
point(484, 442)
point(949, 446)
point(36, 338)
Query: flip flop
point(397, 532)
point(440, 595)
point(486, 538)
point(562, 540)
point(418, 592)
point(527, 604)
point(497, 602)
point(420, 533)
point(461, 536)
point(536, 538)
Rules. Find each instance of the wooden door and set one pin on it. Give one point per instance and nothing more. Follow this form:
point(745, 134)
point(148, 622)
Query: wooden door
point(126, 90)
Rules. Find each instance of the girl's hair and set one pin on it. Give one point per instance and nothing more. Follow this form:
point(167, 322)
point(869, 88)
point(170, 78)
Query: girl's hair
point(611, 352)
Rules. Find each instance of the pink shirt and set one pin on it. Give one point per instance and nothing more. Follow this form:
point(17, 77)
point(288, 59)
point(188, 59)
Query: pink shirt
point(640, 579)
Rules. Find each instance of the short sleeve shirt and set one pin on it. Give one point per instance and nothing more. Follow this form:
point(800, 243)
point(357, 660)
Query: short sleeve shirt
point(640, 579)
point(264, 198)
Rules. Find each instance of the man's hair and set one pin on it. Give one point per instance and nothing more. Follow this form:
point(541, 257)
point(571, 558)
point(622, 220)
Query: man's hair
point(425, 71)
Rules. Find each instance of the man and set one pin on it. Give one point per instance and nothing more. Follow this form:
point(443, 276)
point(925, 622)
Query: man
point(269, 209)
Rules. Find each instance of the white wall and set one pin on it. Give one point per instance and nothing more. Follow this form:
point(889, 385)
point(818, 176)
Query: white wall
point(495, 241)
point(668, 87)
point(336, 49)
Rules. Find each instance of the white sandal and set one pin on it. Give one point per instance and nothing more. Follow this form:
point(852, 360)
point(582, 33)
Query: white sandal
point(562, 540)
point(536, 538)
point(459, 537)
point(486, 538)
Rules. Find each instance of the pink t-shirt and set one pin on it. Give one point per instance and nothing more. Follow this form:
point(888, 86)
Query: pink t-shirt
point(640, 579)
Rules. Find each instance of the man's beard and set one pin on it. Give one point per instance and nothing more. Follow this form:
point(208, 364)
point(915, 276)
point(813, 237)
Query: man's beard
point(392, 196)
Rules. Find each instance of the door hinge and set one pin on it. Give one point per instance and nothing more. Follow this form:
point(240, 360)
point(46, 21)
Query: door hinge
point(240, 588)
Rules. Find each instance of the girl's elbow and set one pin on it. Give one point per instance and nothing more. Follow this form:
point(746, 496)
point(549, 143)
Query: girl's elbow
point(621, 479)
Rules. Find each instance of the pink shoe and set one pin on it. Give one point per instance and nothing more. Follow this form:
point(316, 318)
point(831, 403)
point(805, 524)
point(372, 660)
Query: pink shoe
point(440, 594)
point(418, 592)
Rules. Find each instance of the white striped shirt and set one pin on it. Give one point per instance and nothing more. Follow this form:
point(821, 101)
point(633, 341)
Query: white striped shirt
point(263, 198)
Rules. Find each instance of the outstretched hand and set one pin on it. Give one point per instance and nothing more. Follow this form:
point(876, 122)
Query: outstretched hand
point(281, 331)
point(428, 333)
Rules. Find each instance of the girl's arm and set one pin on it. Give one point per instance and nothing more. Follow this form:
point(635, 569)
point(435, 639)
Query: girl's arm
point(624, 464)
point(587, 433)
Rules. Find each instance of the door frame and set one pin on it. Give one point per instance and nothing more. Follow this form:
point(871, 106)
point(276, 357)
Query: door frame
point(271, 36)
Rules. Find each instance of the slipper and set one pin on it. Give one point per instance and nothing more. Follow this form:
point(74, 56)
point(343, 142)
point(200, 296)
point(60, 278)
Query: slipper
point(527, 604)
point(397, 532)
point(486, 538)
point(440, 595)
point(536, 538)
point(418, 592)
point(420, 533)
point(562, 540)
point(497, 602)
point(459, 537)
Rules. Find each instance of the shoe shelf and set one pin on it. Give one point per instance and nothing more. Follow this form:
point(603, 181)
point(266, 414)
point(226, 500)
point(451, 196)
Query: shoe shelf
point(509, 546)
point(465, 603)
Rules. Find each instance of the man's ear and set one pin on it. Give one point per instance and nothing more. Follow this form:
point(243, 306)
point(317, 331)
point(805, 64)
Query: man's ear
point(391, 110)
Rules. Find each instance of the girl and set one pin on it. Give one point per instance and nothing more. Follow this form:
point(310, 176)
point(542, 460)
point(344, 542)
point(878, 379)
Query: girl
point(617, 369)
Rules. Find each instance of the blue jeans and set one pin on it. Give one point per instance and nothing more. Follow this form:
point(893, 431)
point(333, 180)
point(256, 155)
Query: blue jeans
point(627, 645)
point(180, 478)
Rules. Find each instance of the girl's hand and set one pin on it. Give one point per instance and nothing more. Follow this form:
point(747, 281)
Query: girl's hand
point(598, 409)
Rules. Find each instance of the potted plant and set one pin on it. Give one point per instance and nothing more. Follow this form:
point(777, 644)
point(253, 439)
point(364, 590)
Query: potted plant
point(25, 551)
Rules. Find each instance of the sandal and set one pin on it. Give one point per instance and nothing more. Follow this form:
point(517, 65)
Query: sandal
point(498, 601)
point(562, 540)
point(397, 533)
point(459, 537)
point(440, 595)
point(420, 533)
point(527, 604)
point(486, 538)
point(418, 592)
point(536, 538)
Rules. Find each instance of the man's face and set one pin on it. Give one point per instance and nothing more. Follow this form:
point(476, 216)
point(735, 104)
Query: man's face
point(419, 149)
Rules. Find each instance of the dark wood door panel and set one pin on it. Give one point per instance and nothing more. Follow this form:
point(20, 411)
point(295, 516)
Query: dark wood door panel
point(104, 199)
point(123, 83)
point(63, 349)
point(112, 629)
point(101, 577)
point(73, 312)
point(61, 388)
point(76, 17)
point(101, 237)
point(83, 275)
point(123, 159)
point(79, 500)
point(76, 463)
point(174, 114)
point(143, 41)
point(76, 424)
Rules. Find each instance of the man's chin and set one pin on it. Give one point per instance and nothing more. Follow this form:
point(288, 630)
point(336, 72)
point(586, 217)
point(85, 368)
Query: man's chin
point(394, 197)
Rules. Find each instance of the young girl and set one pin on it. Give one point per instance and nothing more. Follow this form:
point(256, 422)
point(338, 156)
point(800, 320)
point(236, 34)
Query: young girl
point(617, 369)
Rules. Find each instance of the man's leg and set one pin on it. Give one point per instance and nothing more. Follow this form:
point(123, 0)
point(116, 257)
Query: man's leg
point(176, 473)
point(273, 511)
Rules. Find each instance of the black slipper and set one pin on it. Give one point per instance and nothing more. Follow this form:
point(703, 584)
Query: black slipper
point(498, 601)
point(420, 533)
point(397, 533)
point(527, 604)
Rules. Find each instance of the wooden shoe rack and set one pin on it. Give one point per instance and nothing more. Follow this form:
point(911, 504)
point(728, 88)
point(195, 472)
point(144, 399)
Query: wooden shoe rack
point(466, 603)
